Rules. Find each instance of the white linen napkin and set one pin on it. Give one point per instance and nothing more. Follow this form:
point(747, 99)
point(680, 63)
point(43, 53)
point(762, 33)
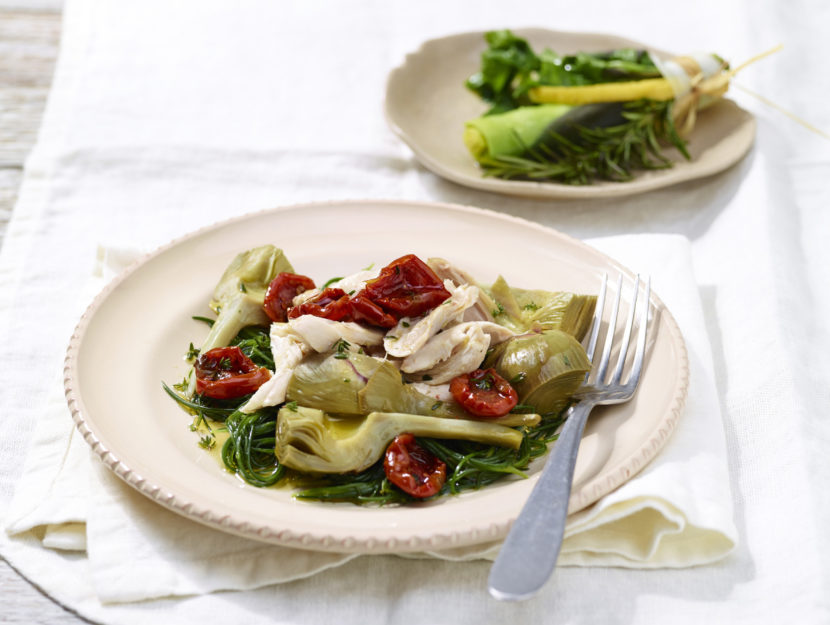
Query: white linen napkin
point(676, 513)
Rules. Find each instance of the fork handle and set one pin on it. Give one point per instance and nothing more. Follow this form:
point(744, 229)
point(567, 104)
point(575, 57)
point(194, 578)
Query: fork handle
point(528, 556)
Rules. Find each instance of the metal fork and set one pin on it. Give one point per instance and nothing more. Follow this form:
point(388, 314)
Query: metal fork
point(529, 554)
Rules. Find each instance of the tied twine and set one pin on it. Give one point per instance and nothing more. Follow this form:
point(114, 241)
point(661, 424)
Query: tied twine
point(704, 90)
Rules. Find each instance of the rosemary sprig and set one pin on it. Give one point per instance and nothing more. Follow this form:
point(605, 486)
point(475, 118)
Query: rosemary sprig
point(605, 153)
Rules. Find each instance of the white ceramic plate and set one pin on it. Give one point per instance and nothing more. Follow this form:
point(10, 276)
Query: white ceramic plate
point(427, 105)
point(135, 333)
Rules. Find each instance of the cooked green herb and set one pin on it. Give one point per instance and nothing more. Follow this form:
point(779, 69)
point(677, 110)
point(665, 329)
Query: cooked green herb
point(249, 450)
point(518, 378)
point(192, 353)
point(523, 409)
point(341, 349)
point(205, 407)
point(331, 281)
point(469, 466)
point(255, 343)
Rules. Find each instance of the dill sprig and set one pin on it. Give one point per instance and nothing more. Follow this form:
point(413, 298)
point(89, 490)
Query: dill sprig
point(606, 153)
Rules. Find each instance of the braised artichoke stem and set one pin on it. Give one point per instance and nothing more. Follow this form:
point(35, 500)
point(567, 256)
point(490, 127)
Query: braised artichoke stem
point(311, 441)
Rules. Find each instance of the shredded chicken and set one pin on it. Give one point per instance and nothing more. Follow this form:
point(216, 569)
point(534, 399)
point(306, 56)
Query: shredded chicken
point(288, 349)
point(483, 309)
point(455, 351)
point(353, 283)
point(322, 334)
point(410, 335)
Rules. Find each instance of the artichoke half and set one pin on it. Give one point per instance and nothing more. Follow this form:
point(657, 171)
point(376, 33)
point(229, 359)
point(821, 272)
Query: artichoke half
point(238, 297)
point(358, 384)
point(524, 310)
point(546, 369)
point(311, 441)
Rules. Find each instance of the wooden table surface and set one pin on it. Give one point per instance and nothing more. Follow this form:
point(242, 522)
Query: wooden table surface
point(29, 40)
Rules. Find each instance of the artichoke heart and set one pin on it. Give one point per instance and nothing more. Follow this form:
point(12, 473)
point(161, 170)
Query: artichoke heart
point(250, 272)
point(525, 310)
point(546, 369)
point(386, 392)
point(332, 382)
point(311, 441)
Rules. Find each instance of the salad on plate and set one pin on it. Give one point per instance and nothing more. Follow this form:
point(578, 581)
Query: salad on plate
point(393, 384)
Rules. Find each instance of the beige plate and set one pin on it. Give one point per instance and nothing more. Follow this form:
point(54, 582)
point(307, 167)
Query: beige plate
point(427, 105)
point(135, 333)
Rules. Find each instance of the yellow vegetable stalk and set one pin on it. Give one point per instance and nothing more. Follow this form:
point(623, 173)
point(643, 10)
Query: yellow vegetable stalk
point(651, 88)
point(693, 82)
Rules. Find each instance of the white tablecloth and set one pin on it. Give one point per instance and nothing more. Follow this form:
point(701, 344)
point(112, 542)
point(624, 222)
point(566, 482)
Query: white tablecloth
point(168, 116)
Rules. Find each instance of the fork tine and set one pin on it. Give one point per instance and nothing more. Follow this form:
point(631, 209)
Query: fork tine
point(629, 322)
point(639, 355)
point(609, 337)
point(597, 321)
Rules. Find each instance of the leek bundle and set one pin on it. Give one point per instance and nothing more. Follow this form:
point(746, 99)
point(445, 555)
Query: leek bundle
point(580, 118)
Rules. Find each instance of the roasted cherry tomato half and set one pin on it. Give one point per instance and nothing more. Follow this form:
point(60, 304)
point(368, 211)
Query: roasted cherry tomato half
point(281, 293)
point(366, 311)
point(484, 393)
point(412, 468)
point(225, 373)
point(406, 287)
point(330, 303)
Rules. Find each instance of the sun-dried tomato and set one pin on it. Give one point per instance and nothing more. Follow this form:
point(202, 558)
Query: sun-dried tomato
point(366, 311)
point(412, 468)
point(330, 303)
point(406, 287)
point(484, 393)
point(226, 373)
point(281, 293)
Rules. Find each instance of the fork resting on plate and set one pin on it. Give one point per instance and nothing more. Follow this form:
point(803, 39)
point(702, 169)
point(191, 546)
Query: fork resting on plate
point(529, 553)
